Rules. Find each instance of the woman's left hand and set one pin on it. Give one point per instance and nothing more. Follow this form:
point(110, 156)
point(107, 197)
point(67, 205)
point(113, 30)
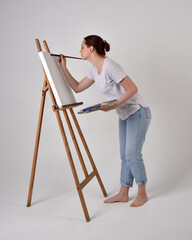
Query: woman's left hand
point(106, 109)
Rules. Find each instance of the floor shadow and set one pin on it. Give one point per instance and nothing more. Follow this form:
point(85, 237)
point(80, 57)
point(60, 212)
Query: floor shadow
point(174, 180)
point(46, 197)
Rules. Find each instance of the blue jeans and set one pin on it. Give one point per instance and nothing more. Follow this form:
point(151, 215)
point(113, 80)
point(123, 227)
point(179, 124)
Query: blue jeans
point(132, 132)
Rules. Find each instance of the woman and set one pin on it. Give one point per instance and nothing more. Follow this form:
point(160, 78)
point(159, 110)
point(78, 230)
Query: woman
point(134, 113)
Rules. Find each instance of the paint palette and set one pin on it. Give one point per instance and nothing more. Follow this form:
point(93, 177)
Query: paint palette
point(96, 107)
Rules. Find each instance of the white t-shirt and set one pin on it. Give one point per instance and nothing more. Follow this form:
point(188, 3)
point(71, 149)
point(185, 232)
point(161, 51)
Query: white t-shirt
point(108, 83)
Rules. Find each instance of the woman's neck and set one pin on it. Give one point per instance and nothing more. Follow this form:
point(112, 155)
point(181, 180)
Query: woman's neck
point(97, 61)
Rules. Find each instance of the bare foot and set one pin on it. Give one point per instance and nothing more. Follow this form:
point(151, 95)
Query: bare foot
point(140, 200)
point(118, 198)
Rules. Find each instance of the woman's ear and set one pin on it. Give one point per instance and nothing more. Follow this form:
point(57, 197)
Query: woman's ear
point(91, 48)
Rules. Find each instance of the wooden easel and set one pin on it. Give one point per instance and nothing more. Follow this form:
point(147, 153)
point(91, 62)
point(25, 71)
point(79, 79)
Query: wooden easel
point(57, 110)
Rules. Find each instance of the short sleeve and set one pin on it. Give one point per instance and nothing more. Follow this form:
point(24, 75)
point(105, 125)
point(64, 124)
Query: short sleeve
point(90, 74)
point(117, 73)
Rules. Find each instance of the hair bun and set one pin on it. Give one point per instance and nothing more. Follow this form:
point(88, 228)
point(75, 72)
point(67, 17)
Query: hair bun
point(106, 45)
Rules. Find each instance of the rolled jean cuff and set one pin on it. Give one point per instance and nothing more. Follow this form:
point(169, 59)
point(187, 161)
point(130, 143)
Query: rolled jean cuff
point(141, 183)
point(126, 185)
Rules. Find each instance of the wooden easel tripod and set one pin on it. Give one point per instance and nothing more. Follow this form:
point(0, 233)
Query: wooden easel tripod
point(57, 110)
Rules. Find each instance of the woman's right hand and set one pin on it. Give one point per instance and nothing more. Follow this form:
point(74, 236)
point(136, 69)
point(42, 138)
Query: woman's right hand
point(62, 61)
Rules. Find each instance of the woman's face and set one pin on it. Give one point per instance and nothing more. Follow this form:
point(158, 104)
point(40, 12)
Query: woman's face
point(85, 50)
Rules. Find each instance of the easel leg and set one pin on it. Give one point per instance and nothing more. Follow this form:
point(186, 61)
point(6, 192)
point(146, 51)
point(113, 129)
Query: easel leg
point(36, 144)
point(83, 205)
point(88, 152)
point(73, 167)
point(75, 143)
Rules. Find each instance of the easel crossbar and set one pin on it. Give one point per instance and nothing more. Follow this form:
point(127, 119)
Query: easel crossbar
point(87, 179)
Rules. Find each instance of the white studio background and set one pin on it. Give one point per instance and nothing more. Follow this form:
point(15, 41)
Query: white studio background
point(150, 39)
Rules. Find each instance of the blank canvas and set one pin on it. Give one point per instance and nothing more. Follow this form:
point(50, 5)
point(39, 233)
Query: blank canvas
point(59, 85)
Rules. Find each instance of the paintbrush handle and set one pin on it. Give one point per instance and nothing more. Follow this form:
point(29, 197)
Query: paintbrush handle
point(57, 55)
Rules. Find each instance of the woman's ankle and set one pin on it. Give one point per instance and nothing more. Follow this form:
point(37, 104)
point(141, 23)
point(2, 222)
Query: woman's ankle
point(124, 190)
point(142, 189)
